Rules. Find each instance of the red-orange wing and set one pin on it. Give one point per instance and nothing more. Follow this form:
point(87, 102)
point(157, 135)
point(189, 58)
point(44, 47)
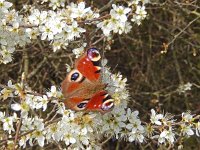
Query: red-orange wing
point(101, 101)
point(89, 64)
point(75, 86)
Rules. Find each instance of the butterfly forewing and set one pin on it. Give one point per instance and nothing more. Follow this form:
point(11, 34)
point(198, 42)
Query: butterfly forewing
point(89, 64)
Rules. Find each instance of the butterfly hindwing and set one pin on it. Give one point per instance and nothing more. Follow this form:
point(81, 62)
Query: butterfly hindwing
point(101, 101)
point(76, 103)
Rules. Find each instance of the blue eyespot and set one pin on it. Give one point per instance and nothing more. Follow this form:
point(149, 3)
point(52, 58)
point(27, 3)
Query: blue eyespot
point(82, 105)
point(74, 76)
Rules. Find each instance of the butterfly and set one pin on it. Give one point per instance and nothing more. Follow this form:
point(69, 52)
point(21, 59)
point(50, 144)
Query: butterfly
point(83, 88)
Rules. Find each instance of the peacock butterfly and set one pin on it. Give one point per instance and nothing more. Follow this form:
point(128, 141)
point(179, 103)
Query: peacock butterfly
point(83, 88)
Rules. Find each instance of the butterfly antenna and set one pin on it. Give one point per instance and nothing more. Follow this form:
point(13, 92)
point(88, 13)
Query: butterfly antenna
point(88, 39)
point(107, 85)
point(112, 71)
point(103, 56)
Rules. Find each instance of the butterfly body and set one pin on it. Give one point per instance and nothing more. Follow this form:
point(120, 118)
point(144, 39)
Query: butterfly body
point(83, 88)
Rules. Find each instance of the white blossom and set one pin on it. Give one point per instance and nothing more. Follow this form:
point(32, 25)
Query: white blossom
point(140, 14)
point(27, 124)
point(74, 30)
point(32, 32)
point(23, 107)
point(185, 87)
point(120, 12)
point(79, 10)
point(23, 140)
point(187, 117)
point(104, 27)
point(40, 137)
point(53, 92)
point(37, 17)
point(43, 101)
point(8, 123)
point(156, 118)
point(6, 53)
point(4, 6)
point(55, 132)
point(167, 135)
point(78, 51)
point(118, 21)
point(136, 135)
point(5, 93)
point(69, 139)
point(68, 67)
point(2, 115)
point(56, 4)
point(133, 2)
point(47, 31)
point(186, 130)
point(38, 124)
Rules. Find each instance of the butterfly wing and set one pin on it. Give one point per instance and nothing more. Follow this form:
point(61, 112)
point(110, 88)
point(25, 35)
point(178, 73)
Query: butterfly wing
point(101, 101)
point(89, 64)
point(76, 103)
point(82, 88)
point(86, 70)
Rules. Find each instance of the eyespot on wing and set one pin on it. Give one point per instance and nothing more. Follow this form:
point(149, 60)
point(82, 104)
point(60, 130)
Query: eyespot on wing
point(101, 101)
point(93, 54)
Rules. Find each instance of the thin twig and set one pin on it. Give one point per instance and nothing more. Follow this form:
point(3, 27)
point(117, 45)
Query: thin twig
point(177, 35)
point(17, 133)
point(37, 68)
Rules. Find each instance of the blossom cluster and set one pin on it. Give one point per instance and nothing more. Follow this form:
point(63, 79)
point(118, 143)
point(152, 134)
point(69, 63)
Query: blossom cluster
point(84, 130)
point(169, 128)
point(75, 129)
point(11, 35)
point(118, 21)
point(184, 87)
point(62, 25)
point(54, 4)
